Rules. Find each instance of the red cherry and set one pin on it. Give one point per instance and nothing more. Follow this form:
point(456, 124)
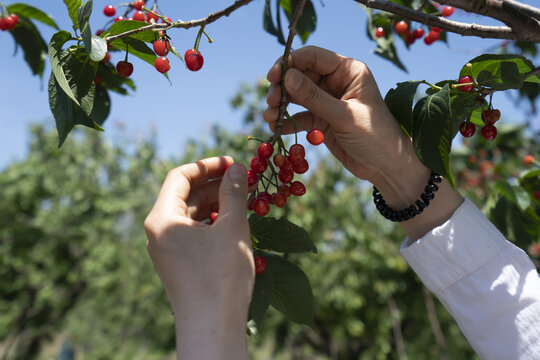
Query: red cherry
point(409, 37)
point(297, 152)
point(266, 196)
point(447, 11)
point(284, 189)
point(434, 35)
point(260, 265)
point(168, 19)
point(300, 166)
point(2, 24)
point(489, 132)
point(98, 80)
point(138, 4)
point(150, 17)
point(528, 160)
point(107, 58)
point(315, 137)
point(287, 165)
point(124, 68)
point(265, 150)
point(467, 129)
point(252, 178)
point(161, 47)
point(251, 202)
point(379, 32)
point(109, 10)
point(162, 64)
point(119, 18)
point(258, 165)
point(464, 80)
point(279, 160)
point(285, 175)
point(401, 27)
point(194, 60)
point(261, 206)
point(297, 188)
point(418, 33)
point(213, 216)
point(429, 40)
point(490, 117)
point(99, 32)
point(279, 199)
point(434, 28)
point(139, 16)
point(536, 194)
point(11, 21)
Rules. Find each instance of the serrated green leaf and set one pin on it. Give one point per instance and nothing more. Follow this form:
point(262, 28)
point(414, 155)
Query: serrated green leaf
point(432, 132)
point(80, 73)
point(66, 112)
point(55, 50)
point(72, 7)
point(102, 106)
point(291, 291)
point(280, 235)
point(127, 25)
point(83, 17)
point(262, 296)
point(27, 36)
point(32, 13)
point(400, 100)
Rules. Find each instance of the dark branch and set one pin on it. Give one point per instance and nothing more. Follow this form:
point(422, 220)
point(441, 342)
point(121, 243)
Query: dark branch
point(183, 24)
point(493, 32)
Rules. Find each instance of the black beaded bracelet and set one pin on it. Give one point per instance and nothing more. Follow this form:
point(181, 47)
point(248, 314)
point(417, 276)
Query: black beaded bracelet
point(413, 210)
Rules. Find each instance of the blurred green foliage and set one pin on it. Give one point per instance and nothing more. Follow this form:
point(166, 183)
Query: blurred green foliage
point(73, 264)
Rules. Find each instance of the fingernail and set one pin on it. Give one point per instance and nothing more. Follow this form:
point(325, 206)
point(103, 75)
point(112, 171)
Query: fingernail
point(237, 172)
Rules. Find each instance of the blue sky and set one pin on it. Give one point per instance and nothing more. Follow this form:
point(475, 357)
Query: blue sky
point(241, 52)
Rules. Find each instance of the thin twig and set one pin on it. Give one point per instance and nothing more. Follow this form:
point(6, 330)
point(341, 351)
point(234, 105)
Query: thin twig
point(284, 61)
point(183, 24)
point(435, 324)
point(531, 73)
point(465, 29)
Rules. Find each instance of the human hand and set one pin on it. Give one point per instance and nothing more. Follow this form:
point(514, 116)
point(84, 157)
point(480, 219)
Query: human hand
point(207, 270)
point(343, 100)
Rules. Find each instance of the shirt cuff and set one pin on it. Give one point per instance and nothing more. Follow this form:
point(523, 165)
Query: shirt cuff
point(455, 249)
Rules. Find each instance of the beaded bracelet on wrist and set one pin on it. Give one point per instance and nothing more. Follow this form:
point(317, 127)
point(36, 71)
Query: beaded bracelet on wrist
point(413, 210)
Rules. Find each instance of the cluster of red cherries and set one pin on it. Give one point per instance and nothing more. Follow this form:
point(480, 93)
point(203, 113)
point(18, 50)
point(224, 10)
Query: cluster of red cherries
point(410, 35)
point(489, 116)
point(8, 22)
point(192, 57)
point(289, 162)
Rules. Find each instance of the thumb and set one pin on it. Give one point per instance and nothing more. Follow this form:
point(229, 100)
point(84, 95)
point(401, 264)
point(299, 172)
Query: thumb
point(306, 93)
point(233, 193)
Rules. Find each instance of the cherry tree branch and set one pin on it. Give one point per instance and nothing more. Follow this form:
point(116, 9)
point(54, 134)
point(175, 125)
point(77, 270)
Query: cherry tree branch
point(526, 9)
point(465, 29)
point(183, 24)
point(284, 61)
point(505, 11)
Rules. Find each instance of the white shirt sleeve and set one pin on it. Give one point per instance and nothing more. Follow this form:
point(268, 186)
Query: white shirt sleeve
point(489, 285)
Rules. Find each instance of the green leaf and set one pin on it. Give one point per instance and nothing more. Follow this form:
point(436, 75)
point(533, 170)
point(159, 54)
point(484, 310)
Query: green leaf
point(66, 112)
point(518, 226)
point(516, 194)
point(127, 25)
point(27, 36)
point(280, 37)
point(32, 13)
point(500, 71)
point(432, 132)
point(55, 50)
point(99, 48)
point(72, 7)
point(80, 73)
point(268, 22)
point(280, 235)
point(102, 106)
point(308, 20)
point(83, 16)
point(291, 291)
point(262, 296)
point(462, 106)
point(400, 101)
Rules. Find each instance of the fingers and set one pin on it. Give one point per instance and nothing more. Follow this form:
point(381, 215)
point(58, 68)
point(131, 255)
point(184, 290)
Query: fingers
point(201, 198)
point(181, 180)
point(233, 194)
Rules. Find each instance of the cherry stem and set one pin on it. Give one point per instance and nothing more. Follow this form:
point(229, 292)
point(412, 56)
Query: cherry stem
point(254, 138)
point(208, 37)
point(127, 47)
point(293, 122)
